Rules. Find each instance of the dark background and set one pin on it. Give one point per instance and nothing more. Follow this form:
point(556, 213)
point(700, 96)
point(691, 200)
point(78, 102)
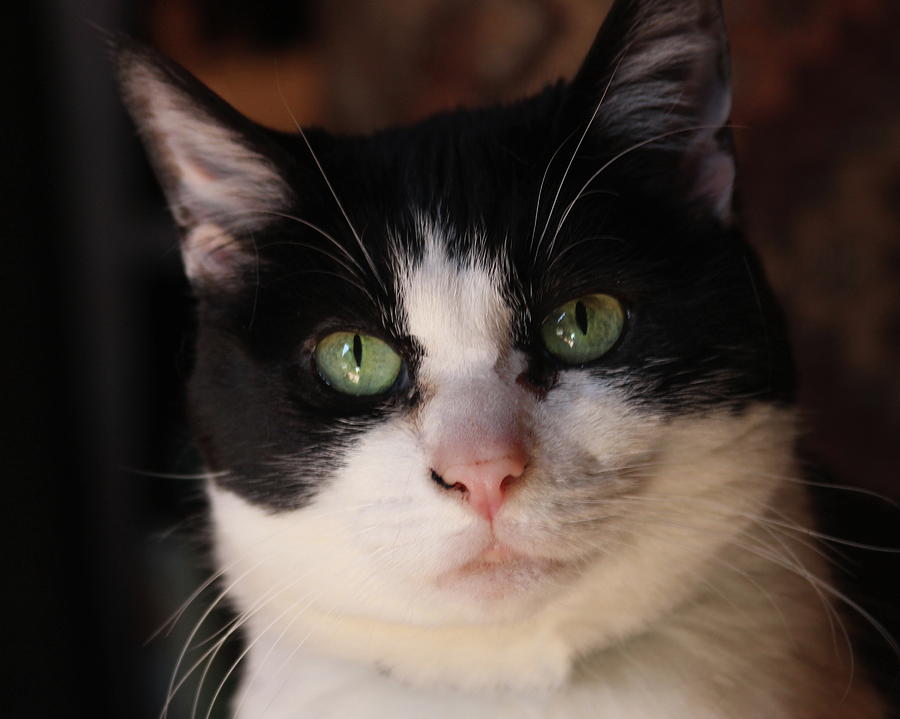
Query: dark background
point(101, 543)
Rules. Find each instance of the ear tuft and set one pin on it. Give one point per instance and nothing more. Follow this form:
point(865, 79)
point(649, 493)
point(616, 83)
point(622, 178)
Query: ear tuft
point(214, 258)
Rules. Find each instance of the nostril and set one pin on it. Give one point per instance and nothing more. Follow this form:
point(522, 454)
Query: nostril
point(446, 485)
point(484, 485)
point(440, 480)
point(508, 480)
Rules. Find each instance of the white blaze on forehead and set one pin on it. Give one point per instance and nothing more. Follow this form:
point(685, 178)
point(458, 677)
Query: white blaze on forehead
point(455, 310)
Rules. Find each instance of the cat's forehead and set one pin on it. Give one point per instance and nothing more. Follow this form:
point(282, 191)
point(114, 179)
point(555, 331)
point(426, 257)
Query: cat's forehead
point(453, 304)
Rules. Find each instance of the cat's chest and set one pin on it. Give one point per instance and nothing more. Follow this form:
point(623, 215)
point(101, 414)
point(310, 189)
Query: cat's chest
point(639, 683)
point(377, 697)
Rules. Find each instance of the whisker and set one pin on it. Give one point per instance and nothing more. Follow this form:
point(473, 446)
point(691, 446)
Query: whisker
point(802, 572)
point(173, 686)
point(286, 661)
point(323, 233)
point(240, 622)
point(788, 525)
point(537, 206)
point(581, 139)
point(838, 487)
point(171, 475)
point(321, 169)
point(830, 612)
point(612, 161)
point(247, 650)
point(837, 594)
point(170, 623)
point(575, 245)
point(262, 663)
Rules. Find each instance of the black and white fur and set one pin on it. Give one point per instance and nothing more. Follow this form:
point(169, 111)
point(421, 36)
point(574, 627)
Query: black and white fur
point(657, 572)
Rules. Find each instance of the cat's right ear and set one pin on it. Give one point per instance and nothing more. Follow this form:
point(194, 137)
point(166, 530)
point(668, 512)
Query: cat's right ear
point(657, 77)
point(219, 171)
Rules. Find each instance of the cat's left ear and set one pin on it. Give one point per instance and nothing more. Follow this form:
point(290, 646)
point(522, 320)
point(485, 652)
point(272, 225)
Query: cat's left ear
point(220, 172)
point(658, 77)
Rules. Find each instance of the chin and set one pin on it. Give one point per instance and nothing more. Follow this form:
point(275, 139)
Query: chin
point(503, 584)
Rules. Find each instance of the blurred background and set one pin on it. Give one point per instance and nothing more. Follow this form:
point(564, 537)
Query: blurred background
point(104, 524)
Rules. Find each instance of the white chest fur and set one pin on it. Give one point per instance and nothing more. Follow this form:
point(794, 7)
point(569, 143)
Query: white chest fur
point(674, 673)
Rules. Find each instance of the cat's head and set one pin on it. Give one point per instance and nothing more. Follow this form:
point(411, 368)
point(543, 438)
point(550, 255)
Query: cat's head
point(506, 365)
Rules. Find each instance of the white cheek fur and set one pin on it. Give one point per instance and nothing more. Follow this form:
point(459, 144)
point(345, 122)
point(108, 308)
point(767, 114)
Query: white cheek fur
point(351, 573)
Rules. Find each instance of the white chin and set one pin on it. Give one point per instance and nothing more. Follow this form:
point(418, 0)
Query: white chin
point(501, 574)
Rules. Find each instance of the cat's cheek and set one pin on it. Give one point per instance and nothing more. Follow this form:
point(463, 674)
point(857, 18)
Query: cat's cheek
point(411, 528)
point(378, 533)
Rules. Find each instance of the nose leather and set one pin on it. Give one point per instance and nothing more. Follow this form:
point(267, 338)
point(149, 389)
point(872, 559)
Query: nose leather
point(475, 439)
point(485, 481)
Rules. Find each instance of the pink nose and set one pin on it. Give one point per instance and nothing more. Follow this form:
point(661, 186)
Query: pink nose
point(485, 481)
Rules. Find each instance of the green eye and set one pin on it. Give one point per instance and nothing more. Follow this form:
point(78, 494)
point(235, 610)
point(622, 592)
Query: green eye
point(357, 364)
point(583, 330)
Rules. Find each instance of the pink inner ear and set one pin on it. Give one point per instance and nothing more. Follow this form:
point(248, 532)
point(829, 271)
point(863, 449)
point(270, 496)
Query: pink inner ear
point(212, 255)
point(714, 182)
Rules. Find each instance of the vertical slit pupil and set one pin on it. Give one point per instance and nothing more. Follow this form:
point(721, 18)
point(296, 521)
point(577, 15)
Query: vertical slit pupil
point(357, 350)
point(581, 318)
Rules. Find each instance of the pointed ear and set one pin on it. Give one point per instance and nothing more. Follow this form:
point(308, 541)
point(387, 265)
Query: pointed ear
point(217, 168)
point(658, 76)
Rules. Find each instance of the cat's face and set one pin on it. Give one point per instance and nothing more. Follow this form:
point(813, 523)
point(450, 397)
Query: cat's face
point(501, 366)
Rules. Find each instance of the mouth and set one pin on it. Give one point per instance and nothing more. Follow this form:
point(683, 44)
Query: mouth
point(500, 571)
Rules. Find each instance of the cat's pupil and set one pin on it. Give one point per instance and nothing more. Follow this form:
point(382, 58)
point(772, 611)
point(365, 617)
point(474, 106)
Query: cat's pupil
point(357, 350)
point(581, 318)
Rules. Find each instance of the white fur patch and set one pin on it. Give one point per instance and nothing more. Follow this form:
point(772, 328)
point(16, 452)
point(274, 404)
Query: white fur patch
point(456, 312)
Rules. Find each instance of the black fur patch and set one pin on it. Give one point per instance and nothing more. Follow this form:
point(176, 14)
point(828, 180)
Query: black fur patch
point(702, 329)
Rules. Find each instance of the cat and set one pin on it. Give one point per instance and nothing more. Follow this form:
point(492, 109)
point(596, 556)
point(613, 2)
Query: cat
point(497, 409)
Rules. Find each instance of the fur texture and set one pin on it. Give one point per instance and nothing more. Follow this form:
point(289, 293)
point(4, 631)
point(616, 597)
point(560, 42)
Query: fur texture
point(650, 560)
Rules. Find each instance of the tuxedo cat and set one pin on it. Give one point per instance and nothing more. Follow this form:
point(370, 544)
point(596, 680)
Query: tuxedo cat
point(497, 409)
